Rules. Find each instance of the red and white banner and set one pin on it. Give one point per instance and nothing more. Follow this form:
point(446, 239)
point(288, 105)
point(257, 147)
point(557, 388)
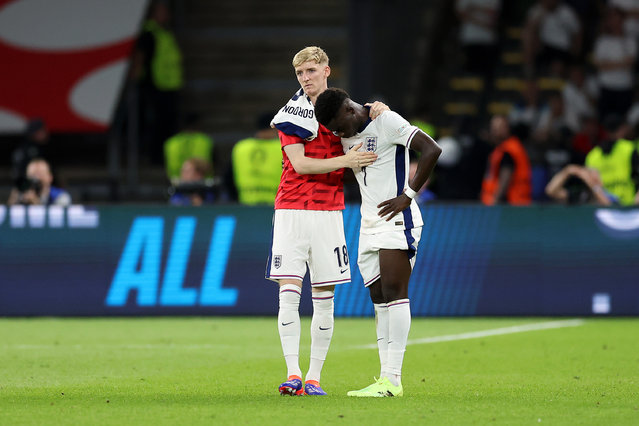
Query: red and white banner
point(64, 61)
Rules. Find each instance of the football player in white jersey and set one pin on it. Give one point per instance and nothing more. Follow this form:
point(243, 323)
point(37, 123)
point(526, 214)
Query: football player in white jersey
point(391, 220)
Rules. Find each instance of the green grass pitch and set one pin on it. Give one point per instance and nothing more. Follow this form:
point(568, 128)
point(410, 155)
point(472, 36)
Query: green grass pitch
point(188, 371)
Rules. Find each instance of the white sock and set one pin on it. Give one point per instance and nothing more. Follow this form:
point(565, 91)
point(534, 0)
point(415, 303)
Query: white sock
point(321, 332)
point(381, 326)
point(288, 324)
point(398, 327)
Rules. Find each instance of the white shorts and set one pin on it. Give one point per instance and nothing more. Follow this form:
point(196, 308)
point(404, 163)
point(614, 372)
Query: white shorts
point(370, 244)
point(309, 237)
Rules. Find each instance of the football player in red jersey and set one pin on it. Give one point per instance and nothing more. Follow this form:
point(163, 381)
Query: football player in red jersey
point(308, 229)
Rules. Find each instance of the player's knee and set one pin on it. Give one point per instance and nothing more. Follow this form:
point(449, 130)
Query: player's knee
point(394, 291)
point(284, 282)
point(375, 291)
point(323, 301)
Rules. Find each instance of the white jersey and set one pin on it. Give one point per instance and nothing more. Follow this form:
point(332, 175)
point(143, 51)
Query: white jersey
point(389, 136)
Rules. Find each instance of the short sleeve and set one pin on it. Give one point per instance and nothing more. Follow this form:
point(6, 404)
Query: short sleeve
point(396, 128)
point(286, 140)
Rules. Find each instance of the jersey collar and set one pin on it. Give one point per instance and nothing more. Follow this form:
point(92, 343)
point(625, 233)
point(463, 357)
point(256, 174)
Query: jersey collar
point(367, 122)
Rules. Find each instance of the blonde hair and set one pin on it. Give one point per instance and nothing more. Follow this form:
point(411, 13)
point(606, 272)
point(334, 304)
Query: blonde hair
point(311, 53)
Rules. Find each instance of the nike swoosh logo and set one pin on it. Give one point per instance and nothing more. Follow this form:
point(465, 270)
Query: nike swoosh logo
point(341, 271)
point(287, 323)
point(381, 338)
point(324, 329)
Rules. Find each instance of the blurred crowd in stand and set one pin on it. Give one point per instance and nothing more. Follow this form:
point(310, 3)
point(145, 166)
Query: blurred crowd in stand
point(570, 136)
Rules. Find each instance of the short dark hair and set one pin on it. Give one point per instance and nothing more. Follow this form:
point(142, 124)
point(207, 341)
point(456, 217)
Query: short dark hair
point(328, 103)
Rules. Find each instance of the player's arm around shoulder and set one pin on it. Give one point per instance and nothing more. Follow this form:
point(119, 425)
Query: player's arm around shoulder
point(304, 165)
point(377, 108)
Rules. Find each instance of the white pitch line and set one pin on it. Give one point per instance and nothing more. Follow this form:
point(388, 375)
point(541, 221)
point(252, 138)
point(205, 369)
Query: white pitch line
point(493, 332)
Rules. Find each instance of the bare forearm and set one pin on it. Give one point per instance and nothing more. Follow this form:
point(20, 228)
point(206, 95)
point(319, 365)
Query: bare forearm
point(312, 166)
point(600, 195)
point(425, 167)
point(556, 184)
point(430, 152)
point(315, 166)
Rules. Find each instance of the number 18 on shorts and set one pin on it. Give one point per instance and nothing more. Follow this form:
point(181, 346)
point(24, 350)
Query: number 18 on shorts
point(309, 237)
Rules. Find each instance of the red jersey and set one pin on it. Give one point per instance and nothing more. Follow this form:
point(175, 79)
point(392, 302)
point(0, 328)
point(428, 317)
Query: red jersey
point(311, 192)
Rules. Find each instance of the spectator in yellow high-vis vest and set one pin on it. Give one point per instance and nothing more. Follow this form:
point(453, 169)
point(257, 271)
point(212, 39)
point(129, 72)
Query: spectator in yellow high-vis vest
point(157, 67)
point(257, 165)
point(617, 161)
point(190, 142)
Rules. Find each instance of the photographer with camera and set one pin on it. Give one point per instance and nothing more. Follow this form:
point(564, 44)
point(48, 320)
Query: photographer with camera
point(37, 189)
point(193, 189)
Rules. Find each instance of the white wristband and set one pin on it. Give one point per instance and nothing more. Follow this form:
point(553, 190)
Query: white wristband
point(410, 193)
